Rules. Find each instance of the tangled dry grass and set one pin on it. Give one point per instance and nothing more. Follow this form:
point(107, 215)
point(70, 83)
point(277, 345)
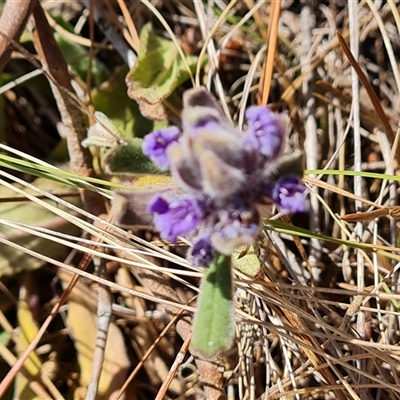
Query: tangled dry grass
point(318, 319)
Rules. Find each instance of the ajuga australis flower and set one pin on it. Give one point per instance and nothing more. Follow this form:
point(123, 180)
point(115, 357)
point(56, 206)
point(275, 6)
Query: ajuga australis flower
point(222, 175)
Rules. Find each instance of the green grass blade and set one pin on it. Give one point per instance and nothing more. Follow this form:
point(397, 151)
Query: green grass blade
point(55, 174)
point(363, 174)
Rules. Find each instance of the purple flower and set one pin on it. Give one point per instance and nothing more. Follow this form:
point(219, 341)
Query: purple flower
point(177, 217)
point(266, 131)
point(221, 174)
point(202, 252)
point(155, 145)
point(288, 195)
point(236, 226)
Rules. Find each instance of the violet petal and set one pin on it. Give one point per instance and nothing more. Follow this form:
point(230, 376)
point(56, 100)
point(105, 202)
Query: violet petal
point(266, 132)
point(177, 217)
point(155, 145)
point(236, 226)
point(288, 195)
point(202, 252)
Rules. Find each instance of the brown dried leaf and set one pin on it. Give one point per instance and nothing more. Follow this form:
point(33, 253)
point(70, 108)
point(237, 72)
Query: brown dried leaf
point(82, 321)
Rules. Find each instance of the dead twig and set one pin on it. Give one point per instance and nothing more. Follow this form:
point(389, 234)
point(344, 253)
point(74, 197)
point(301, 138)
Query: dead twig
point(13, 18)
point(104, 312)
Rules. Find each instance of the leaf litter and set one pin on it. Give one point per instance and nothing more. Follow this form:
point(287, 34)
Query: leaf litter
point(317, 318)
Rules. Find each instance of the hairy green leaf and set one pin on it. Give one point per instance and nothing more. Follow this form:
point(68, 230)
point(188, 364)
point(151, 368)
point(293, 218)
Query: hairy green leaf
point(111, 99)
point(158, 71)
point(213, 327)
point(129, 159)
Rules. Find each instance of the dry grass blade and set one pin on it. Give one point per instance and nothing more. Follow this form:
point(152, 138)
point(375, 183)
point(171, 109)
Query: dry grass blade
point(365, 216)
point(104, 333)
point(149, 351)
point(272, 39)
point(134, 37)
point(7, 381)
point(174, 368)
point(309, 345)
point(371, 93)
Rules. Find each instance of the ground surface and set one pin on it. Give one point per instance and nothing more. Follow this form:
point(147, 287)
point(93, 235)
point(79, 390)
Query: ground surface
point(318, 315)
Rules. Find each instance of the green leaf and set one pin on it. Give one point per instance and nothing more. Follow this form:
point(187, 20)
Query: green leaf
point(77, 56)
point(4, 338)
point(159, 69)
point(248, 263)
point(214, 323)
point(111, 99)
point(103, 133)
point(129, 159)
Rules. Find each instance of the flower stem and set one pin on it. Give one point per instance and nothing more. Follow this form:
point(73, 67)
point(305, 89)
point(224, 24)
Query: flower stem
point(213, 327)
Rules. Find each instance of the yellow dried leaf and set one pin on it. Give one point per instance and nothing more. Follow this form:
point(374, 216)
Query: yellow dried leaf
point(82, 321)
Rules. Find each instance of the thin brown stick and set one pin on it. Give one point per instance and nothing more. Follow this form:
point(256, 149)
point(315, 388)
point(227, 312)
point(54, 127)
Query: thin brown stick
point(34, 385)
point(104, 313)
point(71, 115)
point(13, 18)
point(371, 93)
point(173, 370)
point(147, 354)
